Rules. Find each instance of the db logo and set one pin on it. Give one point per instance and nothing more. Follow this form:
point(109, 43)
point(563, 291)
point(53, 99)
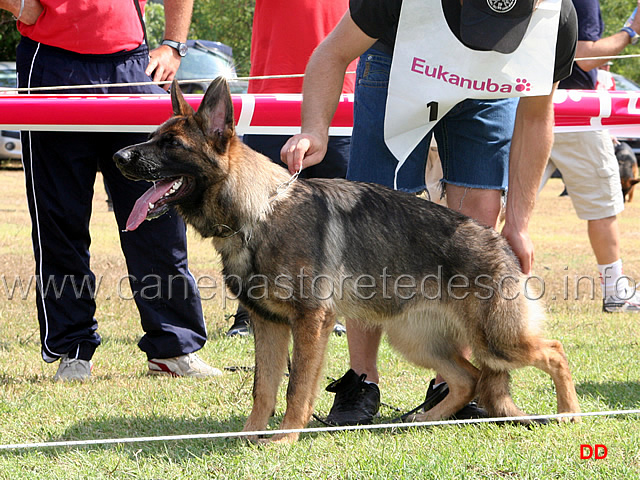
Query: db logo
point(597, 452)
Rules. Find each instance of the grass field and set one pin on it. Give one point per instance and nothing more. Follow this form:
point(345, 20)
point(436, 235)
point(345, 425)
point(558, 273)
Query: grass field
point(121, 401)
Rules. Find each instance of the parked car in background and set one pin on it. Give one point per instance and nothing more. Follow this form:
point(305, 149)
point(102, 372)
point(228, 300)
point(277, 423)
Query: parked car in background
point(10, 146)
point(8, 76)
point(623, 83)
point(205, 61)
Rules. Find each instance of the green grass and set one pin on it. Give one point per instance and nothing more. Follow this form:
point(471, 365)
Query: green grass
point(123, 402)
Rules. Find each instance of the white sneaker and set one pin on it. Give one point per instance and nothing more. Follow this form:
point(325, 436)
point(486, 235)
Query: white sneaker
point(73, 369)
point(190, 365)
point(626, 300)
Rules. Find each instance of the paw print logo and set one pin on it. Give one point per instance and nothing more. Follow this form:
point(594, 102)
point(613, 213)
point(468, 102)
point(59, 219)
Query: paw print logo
point(522, 85)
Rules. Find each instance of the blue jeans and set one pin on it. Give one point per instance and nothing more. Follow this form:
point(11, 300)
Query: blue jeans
point(473, 138)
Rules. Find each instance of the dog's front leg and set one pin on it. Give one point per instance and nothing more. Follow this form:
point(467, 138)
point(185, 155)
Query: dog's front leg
point(271, 349)
point(310, 338)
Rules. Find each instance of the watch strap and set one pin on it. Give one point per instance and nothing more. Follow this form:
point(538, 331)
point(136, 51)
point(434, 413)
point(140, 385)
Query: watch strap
point(181, 48)
point(633, 35)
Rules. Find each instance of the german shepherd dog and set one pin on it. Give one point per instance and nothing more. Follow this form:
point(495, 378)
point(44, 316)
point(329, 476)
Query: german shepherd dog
point(299, 253)
point(628, 166)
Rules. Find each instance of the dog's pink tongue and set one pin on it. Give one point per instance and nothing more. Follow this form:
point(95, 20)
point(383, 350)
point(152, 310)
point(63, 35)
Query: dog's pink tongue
point(141, 208)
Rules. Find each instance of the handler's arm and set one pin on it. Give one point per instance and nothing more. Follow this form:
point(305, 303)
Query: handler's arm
point(30, 11)
point(605, 47)
point(530, 150)
point(323, 80)
point(164, 60)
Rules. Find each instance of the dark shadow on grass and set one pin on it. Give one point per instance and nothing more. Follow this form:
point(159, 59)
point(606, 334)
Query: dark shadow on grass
point(616, 395)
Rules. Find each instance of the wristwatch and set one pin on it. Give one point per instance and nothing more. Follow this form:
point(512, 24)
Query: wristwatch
point(181, 48)
point(633, 35)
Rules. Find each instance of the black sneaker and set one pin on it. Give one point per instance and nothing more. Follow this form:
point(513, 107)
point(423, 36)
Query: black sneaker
point(436, 395)
point(339, 329)
point(241, 324)
point(470, 411)
point(356, 402)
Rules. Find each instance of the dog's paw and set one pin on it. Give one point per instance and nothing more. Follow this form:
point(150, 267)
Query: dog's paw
point(250, 438)
point(287, 438)
point(570, 419)
point(416, 417)
point(284, 438)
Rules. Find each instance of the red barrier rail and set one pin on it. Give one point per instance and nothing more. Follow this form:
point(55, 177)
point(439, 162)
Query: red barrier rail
point(268, 114)
point(274, 114)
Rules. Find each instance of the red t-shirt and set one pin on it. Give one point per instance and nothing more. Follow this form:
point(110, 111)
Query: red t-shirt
point(284, 35)
point(87, 26)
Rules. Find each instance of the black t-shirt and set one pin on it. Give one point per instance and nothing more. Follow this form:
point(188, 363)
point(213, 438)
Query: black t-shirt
point(379, 19)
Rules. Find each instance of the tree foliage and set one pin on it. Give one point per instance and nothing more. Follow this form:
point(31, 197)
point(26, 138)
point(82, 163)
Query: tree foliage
point(226, 21)
point(9, 36)
point(614, 14)
point(154, 21)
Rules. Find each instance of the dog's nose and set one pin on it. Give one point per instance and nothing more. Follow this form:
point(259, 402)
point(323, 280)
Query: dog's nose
point(122, 157)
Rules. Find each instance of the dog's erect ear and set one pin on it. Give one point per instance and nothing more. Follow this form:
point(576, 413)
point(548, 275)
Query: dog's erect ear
point(215, 113)
point(179, 104)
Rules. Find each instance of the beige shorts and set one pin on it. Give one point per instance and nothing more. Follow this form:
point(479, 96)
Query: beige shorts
point(590, 172)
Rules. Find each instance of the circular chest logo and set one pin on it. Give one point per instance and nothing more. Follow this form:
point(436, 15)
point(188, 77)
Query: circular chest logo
point(501, 6)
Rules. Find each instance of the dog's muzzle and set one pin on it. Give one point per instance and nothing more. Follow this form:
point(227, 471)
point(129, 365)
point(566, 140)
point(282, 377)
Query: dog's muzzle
point(123, 158)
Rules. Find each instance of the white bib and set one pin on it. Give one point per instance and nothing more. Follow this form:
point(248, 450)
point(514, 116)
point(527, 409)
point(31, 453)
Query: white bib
point(432, 70)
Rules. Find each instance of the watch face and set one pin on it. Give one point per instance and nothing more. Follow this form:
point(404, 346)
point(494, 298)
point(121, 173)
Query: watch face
point(182, 49)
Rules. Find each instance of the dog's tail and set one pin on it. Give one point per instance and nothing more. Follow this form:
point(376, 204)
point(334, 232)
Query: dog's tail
point(492, 391)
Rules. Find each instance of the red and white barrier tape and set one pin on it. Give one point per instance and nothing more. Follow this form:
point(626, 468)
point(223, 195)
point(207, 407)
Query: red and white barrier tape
point(275, 114)
point(617, 111)
point(265, 114)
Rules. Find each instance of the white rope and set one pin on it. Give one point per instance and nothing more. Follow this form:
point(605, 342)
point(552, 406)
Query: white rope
point(103, 85)
point(207, 80)
point(391, 426)
point(633, 55)
point(138, 84)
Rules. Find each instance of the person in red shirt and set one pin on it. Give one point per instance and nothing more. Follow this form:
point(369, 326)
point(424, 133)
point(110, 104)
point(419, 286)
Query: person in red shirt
point(93, 42)
point(283, 37)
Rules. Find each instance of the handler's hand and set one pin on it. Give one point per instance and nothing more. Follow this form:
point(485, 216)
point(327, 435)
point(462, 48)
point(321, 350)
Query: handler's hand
point(163, 64)
point(521, 245)
point(303, 150)
point(31, 12)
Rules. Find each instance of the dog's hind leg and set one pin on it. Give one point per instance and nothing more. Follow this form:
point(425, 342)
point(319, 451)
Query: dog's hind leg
point(310, 338)
point(461, 377)
point(634, 181)
point(494, 396)
point(549, 357)
point(271, 349)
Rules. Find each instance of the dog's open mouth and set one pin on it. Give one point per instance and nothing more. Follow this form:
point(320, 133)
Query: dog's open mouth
point(155, 201)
